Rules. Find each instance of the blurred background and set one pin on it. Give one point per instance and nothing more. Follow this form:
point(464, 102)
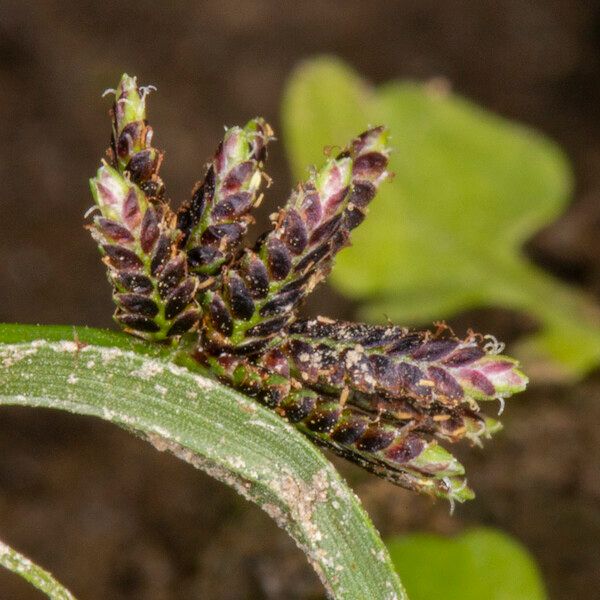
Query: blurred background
point(106, 513)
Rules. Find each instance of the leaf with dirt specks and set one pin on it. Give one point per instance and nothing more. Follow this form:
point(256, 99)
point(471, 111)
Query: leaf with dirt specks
point(141, 388)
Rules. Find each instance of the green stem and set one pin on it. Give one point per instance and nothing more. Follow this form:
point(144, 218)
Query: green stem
point(39, 578)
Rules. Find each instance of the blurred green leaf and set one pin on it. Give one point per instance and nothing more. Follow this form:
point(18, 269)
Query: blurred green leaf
point(446, 234)
point(482, 564)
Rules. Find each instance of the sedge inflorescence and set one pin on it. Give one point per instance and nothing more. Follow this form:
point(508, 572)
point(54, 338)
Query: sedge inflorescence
point(381, 396)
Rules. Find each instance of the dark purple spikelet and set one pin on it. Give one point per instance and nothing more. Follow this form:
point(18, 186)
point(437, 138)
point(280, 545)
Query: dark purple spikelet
point(381, 446)
point(154, 293)
point(213, 223)
point(131, 142)
point(428, 382)
point(396, 362)
point(290, 260)
point(378, 445)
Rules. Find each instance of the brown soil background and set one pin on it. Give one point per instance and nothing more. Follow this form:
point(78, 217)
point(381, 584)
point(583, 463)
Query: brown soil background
point(110, 516)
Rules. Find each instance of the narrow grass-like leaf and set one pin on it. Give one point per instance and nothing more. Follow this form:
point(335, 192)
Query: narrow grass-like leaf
point(39, 578)
point(228, 435)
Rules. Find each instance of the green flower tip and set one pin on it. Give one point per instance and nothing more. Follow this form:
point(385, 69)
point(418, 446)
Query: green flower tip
point(437, 461)
point(114, 194)
point(492, 426)
point(244, 144)
point(130, 102)
point(127, 85)
point(457, 490)
point(258, 126)
point(375, 139)
point(500, 372)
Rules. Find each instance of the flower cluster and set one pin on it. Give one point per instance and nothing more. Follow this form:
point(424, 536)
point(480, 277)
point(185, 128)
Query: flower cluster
point(381, 396)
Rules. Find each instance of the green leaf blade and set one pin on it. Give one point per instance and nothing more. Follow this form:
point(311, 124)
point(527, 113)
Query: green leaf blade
point(214, 428)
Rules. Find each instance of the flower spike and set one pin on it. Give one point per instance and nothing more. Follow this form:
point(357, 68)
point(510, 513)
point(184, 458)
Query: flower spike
point(383, 447)
point(152, 289)
point(397, 362)
point(382, 397)
point(425, 382)
point(260, 294)
point(215, 221)
point(131, 142)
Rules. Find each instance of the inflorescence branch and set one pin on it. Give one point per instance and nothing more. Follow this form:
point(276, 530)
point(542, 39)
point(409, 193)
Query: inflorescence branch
point(380, 396)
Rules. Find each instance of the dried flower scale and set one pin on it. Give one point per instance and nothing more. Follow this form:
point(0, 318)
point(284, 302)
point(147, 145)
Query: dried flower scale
point(380, 396)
